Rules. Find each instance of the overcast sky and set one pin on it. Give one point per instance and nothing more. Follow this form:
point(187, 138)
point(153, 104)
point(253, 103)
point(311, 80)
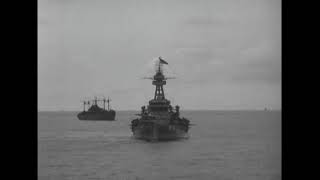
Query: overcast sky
point(225, 54)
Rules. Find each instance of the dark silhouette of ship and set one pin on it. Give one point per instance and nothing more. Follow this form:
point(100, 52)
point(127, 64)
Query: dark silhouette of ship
point(94, 112)
point(159, 121)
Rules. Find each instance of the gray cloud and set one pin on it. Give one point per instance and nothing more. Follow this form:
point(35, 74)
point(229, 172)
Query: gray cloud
point(200, 21)
point(218, 48)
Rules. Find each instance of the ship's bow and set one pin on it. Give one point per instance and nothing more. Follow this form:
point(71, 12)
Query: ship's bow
point(159, 132)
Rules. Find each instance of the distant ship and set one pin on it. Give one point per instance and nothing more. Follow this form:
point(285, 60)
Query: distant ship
point(159, 121)
point(95, 112)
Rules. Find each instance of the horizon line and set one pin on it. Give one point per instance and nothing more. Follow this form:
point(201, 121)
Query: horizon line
point(182, 111)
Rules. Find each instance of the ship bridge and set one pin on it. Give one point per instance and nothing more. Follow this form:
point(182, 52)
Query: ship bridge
point(159, 105)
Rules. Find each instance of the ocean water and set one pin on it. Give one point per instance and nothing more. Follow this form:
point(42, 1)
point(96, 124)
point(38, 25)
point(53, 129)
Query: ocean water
point(223, 145)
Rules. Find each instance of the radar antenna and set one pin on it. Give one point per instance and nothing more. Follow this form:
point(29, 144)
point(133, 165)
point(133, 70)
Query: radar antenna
point(147, 78)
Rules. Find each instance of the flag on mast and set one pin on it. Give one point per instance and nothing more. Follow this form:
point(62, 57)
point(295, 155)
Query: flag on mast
point(162, 61)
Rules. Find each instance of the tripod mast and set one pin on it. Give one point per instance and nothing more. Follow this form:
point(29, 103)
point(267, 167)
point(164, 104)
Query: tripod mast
point(159, 80)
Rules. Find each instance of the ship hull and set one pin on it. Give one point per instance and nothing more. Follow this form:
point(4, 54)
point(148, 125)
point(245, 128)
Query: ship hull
point(155, 132)
point(93, 116)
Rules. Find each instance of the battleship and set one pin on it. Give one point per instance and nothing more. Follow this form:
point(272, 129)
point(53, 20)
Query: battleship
point(159, 121)
point(95, 112)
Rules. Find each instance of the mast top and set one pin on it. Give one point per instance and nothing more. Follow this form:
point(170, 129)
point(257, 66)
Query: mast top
point(159, 64)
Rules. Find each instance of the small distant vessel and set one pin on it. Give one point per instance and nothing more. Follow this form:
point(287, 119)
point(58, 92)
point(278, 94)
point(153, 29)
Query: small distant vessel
point(159, 121)
point(94, 112)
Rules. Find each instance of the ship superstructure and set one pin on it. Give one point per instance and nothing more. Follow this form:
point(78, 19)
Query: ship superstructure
point(95, 112)
point(160, 121)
